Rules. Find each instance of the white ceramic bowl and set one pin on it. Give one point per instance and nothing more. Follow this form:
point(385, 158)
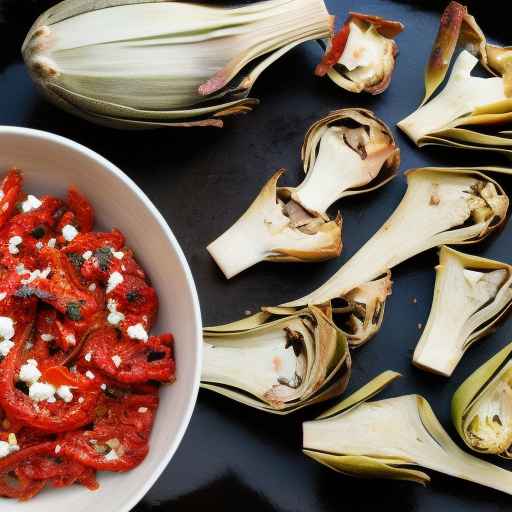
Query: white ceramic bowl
point(50, 164)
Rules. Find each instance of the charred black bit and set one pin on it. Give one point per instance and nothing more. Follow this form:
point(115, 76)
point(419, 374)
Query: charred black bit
point(21, 386)
point(25, 292)
point(19, 207)
point(76, 259)
point(73, 311)
point(497, 420)
point(38, 232)
point(132, 296)
point(295, 340)
point(104, 257)
point(53, 348)
point(155, 356)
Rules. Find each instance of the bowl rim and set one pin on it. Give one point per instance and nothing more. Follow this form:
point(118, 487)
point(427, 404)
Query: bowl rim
point(109, 166)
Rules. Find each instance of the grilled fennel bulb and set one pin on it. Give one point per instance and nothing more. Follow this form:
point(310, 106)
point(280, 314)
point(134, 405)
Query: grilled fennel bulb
point(393, 438)
point(155, 63)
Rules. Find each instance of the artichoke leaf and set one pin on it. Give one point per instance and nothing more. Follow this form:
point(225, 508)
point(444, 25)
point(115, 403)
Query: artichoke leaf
point(471, 295)
point(482, 406)
point(440, 206)
point(278, 364)
point(384, 438)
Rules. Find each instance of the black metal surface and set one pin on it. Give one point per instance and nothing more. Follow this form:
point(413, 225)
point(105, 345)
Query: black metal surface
point(233, 457)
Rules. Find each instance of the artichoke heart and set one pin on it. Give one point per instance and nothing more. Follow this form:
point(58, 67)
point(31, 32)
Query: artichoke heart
point(277, 362)
point(470, 112)
point(390, 438)
point(348, 152)
point(153, 63)
point(471, 294)
point(441, 206)
point(361, 57)
point(482, 406)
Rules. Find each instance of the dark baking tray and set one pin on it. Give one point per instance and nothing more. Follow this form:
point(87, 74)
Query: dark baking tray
point(233, 457)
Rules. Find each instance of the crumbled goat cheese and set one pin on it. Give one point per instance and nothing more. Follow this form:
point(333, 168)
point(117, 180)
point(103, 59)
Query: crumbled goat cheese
point(87, 255)
point(5, 347)
point(65, 393)
point(92, 287)
point(142, 410)
point(39, 245)
point(6, 328)
point(52, 242)
point(113, 280)
point(114, 317)
point(39, 391)
point(111, 455)
point(69, 232)
point(31, 203)
point(118, 254)
point(137, 332)
point(47, 337)
point(3, 295)
point(70, 338)
point(88, 357)
point(116, 360)
point(29, 372)
point(89, 375)
point(58, 448)
point(14, 241)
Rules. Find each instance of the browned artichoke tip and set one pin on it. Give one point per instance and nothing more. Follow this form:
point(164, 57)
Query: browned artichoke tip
point(368, 54)
point(441, 206)
point(276, 228)
point(499, 60)
point(348, 152)
point(277, 361)
point(482, 406)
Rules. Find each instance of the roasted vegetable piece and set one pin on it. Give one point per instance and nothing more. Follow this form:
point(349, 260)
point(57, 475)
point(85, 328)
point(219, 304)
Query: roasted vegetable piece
point(471, 295)
point(348, 152)
point(277, 362)
point(470, 112)
point(388, 438)
point(440, 206)
point(361, 57)
point(482, 406)
point(160, 64)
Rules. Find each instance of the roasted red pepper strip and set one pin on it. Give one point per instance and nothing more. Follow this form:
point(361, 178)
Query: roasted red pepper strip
point(137, 362)
point(82, 210)
point(11, 189)
point(334, 53)
point(127, 420)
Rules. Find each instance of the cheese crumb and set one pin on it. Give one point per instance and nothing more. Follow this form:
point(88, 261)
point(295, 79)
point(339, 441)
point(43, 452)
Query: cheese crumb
point(58, 449)
point(142, 410)
point(40, 391)
point(29, 372)
point(116, 360)
point(118, 254)
point(90, 375)
point(39, 245)
point(137, 332)
point(87, 255)
point(47, 337)
point(88, 357)
point(31, 203)
point(7, 448)
point(114, 317)
point(14, 241)
point(113, 280)
point(92, 287)
point(65, 393)
point(69, 232)
point(111, 455)
point(5, 347)
point(3, 295)
point(52, 242)
point(103, 386)
point(70, 338)
point(6, 328)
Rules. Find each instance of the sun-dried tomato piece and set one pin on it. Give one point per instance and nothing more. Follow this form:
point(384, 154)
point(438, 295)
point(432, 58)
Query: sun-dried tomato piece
point(129, 361)
point(119, 438)
point(82, 210)
point(11, 192)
